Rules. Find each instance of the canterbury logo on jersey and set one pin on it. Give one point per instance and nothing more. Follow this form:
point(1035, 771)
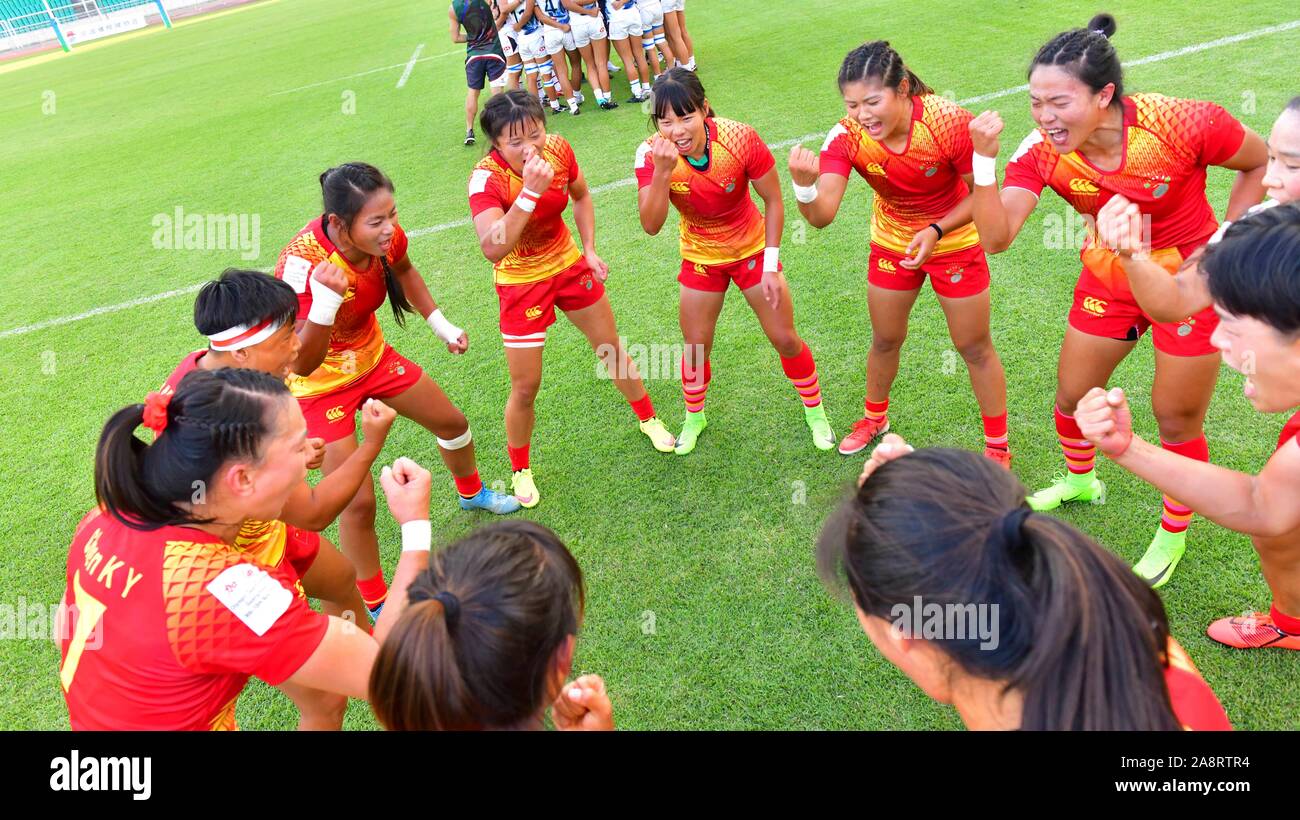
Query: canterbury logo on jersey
point(1079, 185)
point(886, 265)
point(334, 413)
point(875, 168)
point(1093, 305)
point(679, 187)
point(533, 312)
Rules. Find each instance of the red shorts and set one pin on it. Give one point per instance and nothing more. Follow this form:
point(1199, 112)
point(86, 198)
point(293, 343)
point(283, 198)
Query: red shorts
point(745, 273)
point(954, 275)
point(527, 310)
point(1100, 311)
point(300, 549)
point(333, 415)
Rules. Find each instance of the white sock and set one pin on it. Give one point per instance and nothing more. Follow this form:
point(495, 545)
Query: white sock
point(636, 87)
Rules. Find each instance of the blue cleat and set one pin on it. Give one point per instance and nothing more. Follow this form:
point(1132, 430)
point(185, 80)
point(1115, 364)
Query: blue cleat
point(492, 501)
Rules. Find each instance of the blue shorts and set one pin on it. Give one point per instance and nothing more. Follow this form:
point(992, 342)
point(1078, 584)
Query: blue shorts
point(483, 65)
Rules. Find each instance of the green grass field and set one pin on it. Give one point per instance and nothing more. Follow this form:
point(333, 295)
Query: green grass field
point(717, 546)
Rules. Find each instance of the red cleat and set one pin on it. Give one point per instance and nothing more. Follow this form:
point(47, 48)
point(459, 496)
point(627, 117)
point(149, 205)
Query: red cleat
point(1253, 631)
point(1002, 457)
point(864, 432)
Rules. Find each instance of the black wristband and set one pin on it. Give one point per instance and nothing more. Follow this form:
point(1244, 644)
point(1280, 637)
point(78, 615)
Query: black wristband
point(937, 229)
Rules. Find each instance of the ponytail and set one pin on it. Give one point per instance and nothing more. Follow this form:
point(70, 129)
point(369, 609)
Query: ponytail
point(477, 646)
point(1079, 636)
point(214, 416)
point(344, 192)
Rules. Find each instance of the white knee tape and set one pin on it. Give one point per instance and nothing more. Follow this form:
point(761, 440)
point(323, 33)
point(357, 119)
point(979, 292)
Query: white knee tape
point(456, 443)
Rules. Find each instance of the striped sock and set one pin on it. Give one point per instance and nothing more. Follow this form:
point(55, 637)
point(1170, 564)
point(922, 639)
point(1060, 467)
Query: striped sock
point(1080, 454)
point(373, 590)
point(695, 385)
point(518, 457)
point(468, 485)
point(877, 410)
point(995, 432)
point(801, 370)
point(1287, 623)
point(1177, 516)
point(643, 407)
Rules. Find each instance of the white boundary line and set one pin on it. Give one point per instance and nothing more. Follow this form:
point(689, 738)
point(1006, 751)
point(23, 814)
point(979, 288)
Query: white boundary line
point(621, 183)
point(361, 74)
point(406, 75)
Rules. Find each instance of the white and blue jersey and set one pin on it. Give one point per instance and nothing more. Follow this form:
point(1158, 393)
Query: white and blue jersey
point(556, 11)
point(531, 26)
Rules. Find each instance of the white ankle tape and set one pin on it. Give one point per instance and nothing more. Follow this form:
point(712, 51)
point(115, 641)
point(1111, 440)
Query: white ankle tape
point(456, 443)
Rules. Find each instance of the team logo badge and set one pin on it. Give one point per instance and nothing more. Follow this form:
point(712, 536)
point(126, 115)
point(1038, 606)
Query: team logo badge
point(679, 187)
point(1079, 185)
point(932, 170)
point(400, 370)
point(876, 168)
point(1093, 305)
point(954, 275)
point(586, 281)
point(1161, 190)
point(533, 312)
point(887, 266)
point(334, 413)
point(750, 266)
point(731, 186)
point(1185, 328)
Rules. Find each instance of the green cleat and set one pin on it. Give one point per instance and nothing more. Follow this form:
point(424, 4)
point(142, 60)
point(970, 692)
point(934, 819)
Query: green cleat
point(1069, 487)
point(695, 424)
point(659, 435)
point(1166, 550)
point(823, 437)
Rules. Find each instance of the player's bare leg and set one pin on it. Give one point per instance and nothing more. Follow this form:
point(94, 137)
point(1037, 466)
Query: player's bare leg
point(968, 326)
point(357, 538)
point(634, 64)
point(673, 33)
point(697, 313)
point(796, 359)
point(318, 711)
point(332, 580)
point(525, 365)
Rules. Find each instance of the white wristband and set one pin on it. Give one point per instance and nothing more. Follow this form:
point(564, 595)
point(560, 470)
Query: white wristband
point(984, 169)
point(417, 536)
point(805, 193)
point(527, 200)
point(442, 328)
point(769, 259)
point(324, 303)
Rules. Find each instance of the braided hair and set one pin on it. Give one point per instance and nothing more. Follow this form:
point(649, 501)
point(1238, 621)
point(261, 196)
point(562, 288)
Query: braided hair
point(879, 61)
point(1087, 55)
point(215, 416)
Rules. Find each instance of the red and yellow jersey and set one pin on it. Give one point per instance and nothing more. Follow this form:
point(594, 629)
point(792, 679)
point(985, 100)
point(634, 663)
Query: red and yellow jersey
point(1168, 144)
point(1290, 431)
point(1194, 702)
point(918, 186)
point(356, 342)
point(546, 247)
point(719, 221)
point(164, 627)
point(264, 541)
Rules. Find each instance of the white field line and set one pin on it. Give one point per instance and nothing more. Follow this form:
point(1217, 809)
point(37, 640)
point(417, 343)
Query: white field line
point(621, 183)
point(362, 74)
point(406, 75)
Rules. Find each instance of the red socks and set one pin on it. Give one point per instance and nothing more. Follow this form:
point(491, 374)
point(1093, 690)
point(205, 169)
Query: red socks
point(518, 457)
point(373, 590)
point(995, 432)
point(801, 370)
point(1080, 454)
point(468, 485)
point(877, 410)
point(643, 407)
point(695, 384)
point(1286, 623)
point(1176, 516)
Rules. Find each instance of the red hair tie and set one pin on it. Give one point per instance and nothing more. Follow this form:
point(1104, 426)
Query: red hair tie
point(155, 411)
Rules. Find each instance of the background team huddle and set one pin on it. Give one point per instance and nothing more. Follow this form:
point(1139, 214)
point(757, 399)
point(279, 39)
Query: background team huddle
point(482, 633)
